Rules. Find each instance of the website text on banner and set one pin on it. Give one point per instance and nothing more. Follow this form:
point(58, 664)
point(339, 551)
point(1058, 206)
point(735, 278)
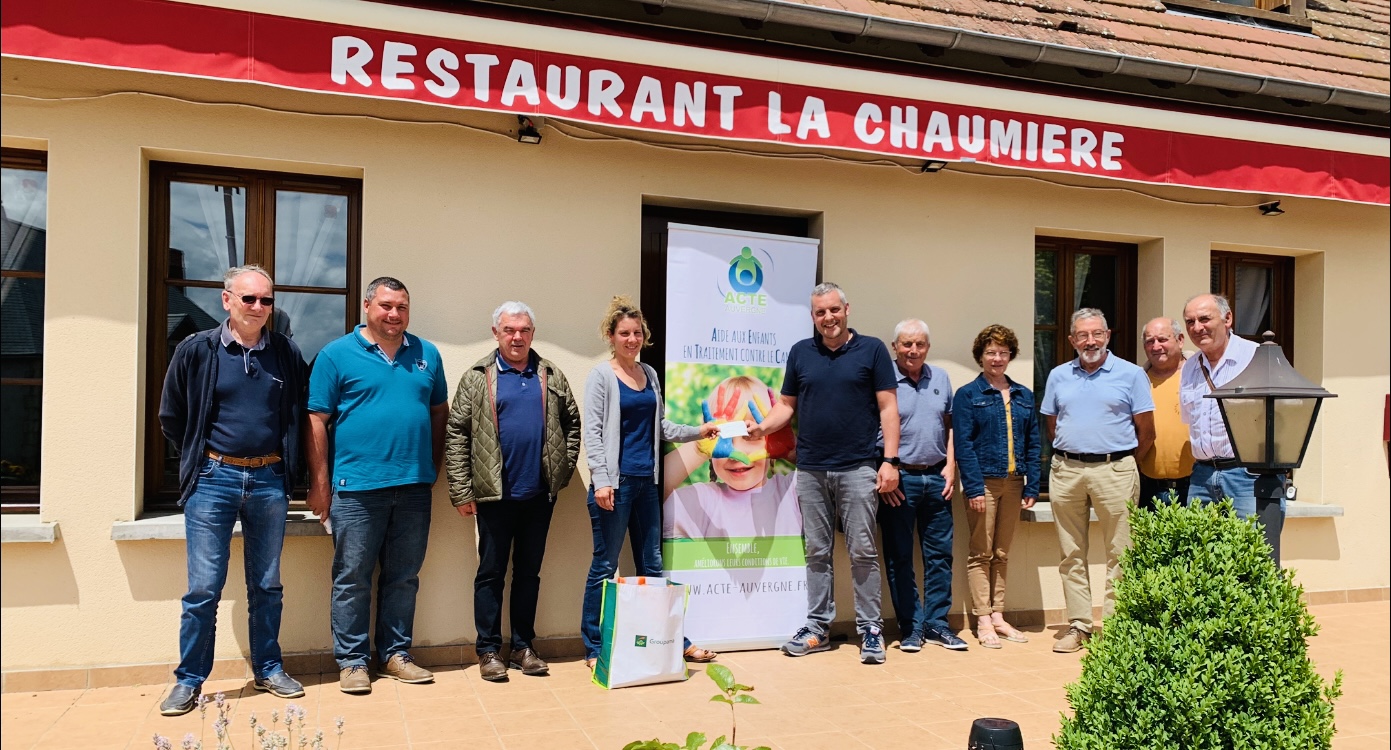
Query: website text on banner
point(736, 301)
point(156, 35)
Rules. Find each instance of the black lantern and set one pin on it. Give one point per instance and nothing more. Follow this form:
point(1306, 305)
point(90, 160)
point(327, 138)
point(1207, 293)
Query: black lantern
point(1269, 411)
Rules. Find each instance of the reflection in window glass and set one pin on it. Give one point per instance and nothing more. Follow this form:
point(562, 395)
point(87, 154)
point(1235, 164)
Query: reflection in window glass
point(312, 320)
point(311, 239)
point(1045, 343)
point(1094, 284)
point(193, 309)
point(1045, 288)
point(207, 230)
point(23, 242)
point(1255, 286)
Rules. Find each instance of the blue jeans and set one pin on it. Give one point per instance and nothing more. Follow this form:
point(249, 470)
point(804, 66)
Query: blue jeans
point(226, 493)
point(389, 526)
point(637, 512)
point(925, 511)
point(1208, 485)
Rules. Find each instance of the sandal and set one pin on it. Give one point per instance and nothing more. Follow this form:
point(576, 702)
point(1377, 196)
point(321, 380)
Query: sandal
point(1010, 633)
point(589, 664)
point(699, 655)
point(988, 637)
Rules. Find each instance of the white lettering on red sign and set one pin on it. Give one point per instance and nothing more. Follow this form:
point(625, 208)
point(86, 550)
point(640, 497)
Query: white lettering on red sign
point(648, 99)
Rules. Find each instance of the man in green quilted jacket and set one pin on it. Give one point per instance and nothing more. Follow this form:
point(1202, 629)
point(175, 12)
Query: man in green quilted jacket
point(511, 443)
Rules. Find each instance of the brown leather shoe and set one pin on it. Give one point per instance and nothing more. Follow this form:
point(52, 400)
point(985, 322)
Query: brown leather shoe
point(491, 667)
point(401, 667)
point(527, 661)
point(354, 680)
point(1071, 641)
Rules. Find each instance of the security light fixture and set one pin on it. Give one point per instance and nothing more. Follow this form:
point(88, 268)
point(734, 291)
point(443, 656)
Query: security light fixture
point(1271, 209)
point(527, 129)
point(1269, 411)
point(934, 165)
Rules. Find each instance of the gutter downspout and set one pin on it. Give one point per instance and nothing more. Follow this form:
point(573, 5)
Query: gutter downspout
point(860, 24)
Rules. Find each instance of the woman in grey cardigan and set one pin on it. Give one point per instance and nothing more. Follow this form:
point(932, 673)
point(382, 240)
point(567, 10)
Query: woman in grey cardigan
point(624, 426)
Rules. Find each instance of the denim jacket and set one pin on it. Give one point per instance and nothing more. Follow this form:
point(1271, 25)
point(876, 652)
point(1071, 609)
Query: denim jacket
point(978, 421)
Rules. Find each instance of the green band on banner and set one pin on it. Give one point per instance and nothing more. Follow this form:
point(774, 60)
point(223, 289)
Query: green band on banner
point(734, 553)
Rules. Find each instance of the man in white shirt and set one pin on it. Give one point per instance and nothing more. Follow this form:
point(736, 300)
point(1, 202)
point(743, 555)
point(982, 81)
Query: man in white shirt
point(1221, 357)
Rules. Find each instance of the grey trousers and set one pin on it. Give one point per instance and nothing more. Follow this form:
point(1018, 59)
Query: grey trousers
point(847, 496)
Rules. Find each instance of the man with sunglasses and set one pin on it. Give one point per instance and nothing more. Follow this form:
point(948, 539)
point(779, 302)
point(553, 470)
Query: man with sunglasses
point(233, 403)
point(1098, 413)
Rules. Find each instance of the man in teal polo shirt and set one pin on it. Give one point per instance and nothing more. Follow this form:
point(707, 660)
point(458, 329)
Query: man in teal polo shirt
point(377, 409)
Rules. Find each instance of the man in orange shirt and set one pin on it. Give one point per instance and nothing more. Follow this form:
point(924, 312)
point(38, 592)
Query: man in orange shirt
point(1167, 466)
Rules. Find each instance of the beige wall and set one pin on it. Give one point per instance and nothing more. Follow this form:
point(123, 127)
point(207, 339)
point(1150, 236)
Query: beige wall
point(468, 219)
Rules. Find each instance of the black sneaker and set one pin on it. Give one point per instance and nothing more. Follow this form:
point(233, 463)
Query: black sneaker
point(806, 641)
point(911, 643)
point(944, 638)
point(872, 647)
point(181, 700)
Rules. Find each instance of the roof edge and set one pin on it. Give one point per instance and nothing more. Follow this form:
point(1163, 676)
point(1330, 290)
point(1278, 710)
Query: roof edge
point(860, 24)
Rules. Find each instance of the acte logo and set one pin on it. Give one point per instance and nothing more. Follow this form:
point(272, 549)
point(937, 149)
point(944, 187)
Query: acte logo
point(746, 283)
point(745, 272)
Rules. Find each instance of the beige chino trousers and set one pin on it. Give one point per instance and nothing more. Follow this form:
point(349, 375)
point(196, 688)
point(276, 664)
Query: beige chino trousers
point(992, 533)
point(1075, 488)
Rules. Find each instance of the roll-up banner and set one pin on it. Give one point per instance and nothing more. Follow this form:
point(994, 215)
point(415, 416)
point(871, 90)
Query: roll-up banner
point(732, 532)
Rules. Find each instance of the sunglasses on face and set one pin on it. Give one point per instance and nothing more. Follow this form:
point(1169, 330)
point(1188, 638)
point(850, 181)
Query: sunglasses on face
point(251, 299)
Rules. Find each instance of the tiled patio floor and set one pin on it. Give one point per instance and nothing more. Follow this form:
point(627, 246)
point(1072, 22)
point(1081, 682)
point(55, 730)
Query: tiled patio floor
point(920, 701)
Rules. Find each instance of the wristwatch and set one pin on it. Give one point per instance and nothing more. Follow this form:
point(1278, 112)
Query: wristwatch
point(892, 461)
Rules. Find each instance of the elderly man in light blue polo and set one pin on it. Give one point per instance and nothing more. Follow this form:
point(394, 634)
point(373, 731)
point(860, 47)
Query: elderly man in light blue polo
point(1099, 415)
point(921, 506)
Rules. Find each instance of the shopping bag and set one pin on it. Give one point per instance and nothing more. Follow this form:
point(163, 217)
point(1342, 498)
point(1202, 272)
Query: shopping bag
point(641, 622)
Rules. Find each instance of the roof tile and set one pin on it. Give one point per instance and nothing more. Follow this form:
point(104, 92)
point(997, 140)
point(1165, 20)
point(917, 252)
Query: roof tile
point(1348, 47)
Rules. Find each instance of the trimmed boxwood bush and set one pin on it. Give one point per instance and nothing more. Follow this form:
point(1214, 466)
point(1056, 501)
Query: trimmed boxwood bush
point(1207, 647)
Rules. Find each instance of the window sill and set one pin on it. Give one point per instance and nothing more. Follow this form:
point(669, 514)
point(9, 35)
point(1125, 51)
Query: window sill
point(171, 526)
point(27, 529)
point(1042, 512)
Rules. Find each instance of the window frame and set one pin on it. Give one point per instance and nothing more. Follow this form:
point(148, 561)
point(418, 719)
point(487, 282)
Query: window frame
point(1225, 263)
point(1287, 13)
point(1123, 329)
point(258, 247)
point(26, 498)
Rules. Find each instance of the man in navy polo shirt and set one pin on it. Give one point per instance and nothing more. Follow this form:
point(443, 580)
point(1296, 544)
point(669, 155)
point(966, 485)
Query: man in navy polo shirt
point(921, 506)
point(511, 444)
point(233, 400)
point(377, 407)
point(1099, 413)
point(842, 384)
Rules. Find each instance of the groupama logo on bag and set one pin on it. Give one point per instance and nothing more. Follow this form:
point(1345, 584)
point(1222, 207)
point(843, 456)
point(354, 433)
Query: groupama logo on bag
point(642, 641)
point(745, 281)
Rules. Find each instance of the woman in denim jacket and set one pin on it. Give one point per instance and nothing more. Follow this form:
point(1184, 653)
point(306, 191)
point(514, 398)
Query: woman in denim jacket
point(997, 456)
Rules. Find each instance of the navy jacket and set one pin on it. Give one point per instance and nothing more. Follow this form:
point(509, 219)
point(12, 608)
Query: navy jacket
point(189, 389)
point(978, 421)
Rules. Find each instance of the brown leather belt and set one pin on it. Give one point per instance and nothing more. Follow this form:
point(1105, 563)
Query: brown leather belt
point(254, 462)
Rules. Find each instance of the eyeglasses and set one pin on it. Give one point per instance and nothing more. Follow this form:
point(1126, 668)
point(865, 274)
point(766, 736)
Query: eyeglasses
point(251, 299)
point(1090, 335)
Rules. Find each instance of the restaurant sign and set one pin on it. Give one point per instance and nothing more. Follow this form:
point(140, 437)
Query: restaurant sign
point(194, 40)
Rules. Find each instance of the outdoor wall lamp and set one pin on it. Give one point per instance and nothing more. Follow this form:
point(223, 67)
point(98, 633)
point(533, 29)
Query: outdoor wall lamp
point(527, 131)
point(1270, 410)
point(1271, 209)
point(934, 165)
